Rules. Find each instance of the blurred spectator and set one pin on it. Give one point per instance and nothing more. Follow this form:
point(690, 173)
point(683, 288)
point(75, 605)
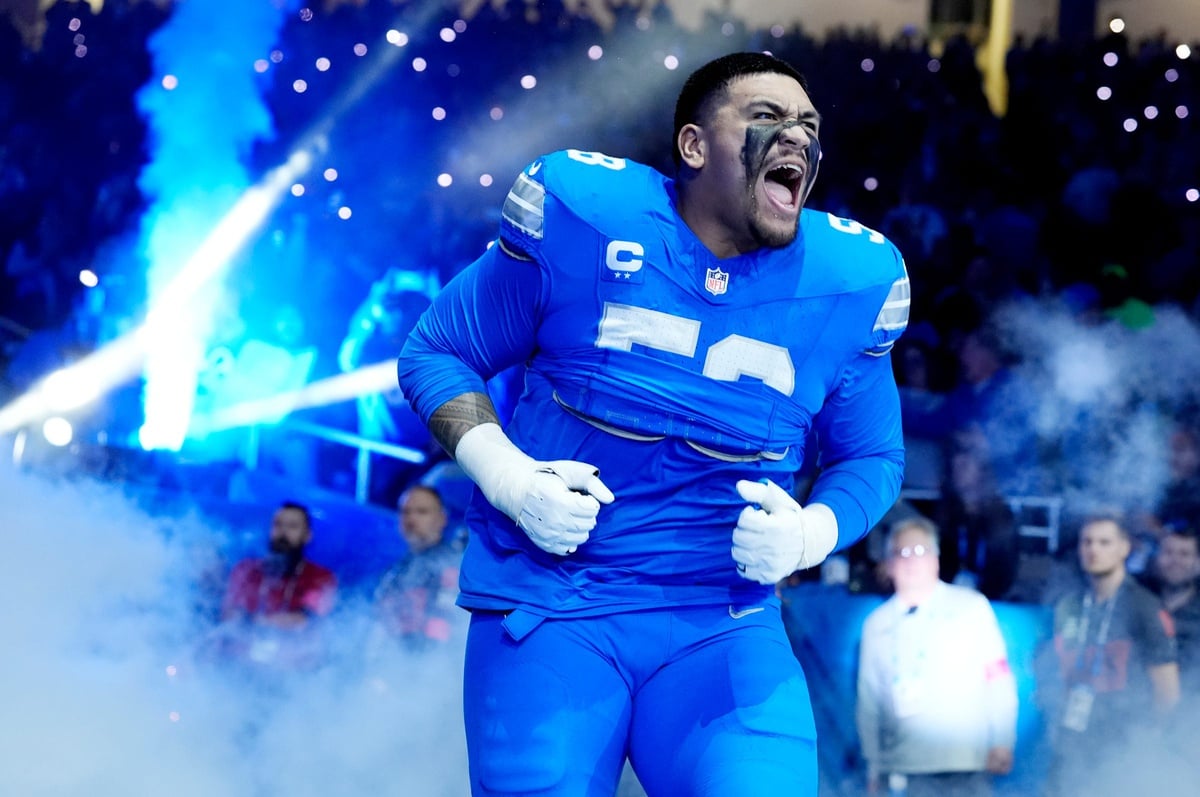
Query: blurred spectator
point(283, 588)
point(995, 403)
point(1177, 504)
point(979, 544)
point(1117, 666)
point(270, 601)
point(922, 408)
point(937, 701)
point(1176, 571)
point(455, 489)
point(869, 557)
point(415, 600)
point(1180, 503)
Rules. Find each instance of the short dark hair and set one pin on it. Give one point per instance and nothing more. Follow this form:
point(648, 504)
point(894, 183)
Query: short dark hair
point(710, 80)
point(424, 488)
point(1114, 516)
point(1183, 533)
point(299, 507)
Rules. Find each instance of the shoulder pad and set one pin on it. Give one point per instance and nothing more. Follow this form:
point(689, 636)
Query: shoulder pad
point(893, 315)
point(590, 185)
point(876, 263)
point(522, 218)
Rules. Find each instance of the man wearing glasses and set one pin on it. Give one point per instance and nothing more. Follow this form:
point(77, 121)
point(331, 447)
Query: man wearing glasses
point(937, 701)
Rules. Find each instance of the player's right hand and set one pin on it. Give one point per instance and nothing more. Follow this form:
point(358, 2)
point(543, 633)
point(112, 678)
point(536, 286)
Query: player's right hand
point(560, 505)
point(555, 503)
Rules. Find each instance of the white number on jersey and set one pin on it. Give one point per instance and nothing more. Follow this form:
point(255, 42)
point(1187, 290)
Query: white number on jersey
point(727, 360)
point(596, 159)
point(854, 228)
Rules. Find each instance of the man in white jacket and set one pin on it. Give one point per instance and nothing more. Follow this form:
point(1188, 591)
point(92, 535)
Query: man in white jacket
point(937, 701)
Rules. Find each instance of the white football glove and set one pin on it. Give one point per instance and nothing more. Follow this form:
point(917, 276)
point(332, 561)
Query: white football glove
point(555, 503)
point(778, 537)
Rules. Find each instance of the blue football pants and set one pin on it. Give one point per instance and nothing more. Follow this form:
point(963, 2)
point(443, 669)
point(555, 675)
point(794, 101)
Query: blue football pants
point(704, 701)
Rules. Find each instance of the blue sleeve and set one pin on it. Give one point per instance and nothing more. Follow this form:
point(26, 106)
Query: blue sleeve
point(861, 448)
point(483, 321)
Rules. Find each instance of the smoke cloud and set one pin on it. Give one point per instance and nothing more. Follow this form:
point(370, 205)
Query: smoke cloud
point(202, 127)
point(1106, 394)
point(107, 687)
point(204, 111)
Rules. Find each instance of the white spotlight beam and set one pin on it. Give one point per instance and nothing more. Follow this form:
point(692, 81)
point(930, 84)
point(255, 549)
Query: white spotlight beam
point(121, 360)
point(77, 385)
point(83, 382)
point(228, 236)
point(362, 381)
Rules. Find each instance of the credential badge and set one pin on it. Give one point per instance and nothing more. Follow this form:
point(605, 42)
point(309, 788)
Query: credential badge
point(716, 281)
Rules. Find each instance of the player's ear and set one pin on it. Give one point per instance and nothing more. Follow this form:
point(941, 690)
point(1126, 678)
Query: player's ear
point(691, 146)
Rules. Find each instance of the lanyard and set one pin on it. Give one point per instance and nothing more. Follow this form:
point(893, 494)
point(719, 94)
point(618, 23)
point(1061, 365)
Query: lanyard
point(289, 590)
point(1101, 634)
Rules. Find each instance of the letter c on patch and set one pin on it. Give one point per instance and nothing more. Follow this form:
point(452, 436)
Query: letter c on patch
point(624, 256)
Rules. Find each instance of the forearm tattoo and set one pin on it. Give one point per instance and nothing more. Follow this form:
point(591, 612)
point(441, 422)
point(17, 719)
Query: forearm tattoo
point(457, 416)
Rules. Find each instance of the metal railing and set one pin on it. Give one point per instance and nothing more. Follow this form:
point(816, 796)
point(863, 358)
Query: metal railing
point(364, 447)
point(1038, 517)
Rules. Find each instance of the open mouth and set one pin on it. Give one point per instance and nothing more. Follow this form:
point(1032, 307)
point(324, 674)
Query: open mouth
point(782, 184)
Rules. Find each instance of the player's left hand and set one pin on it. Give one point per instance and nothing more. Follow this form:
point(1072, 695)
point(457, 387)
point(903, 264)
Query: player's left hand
point(775, 536)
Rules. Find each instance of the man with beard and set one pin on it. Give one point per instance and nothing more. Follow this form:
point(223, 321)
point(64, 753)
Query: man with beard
point(1175, 578)
point(1119, 679)
point(686, 338)
point(282, 589)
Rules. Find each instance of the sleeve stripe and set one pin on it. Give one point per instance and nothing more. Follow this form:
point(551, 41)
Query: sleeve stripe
point(893, 315)
point(515, 254)
point(523, 207)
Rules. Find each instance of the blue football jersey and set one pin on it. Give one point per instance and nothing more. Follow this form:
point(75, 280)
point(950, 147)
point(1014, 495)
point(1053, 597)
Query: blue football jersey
point(672, 371)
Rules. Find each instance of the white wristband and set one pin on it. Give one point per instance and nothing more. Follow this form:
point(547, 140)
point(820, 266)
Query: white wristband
point(500, 469)
point(820, 534)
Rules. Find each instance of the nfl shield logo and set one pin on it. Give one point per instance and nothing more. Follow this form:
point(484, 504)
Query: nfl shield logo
point(716, 281)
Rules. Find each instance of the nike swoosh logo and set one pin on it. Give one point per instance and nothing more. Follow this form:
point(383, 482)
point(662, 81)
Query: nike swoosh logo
point(535, 168)
point(737, 615)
